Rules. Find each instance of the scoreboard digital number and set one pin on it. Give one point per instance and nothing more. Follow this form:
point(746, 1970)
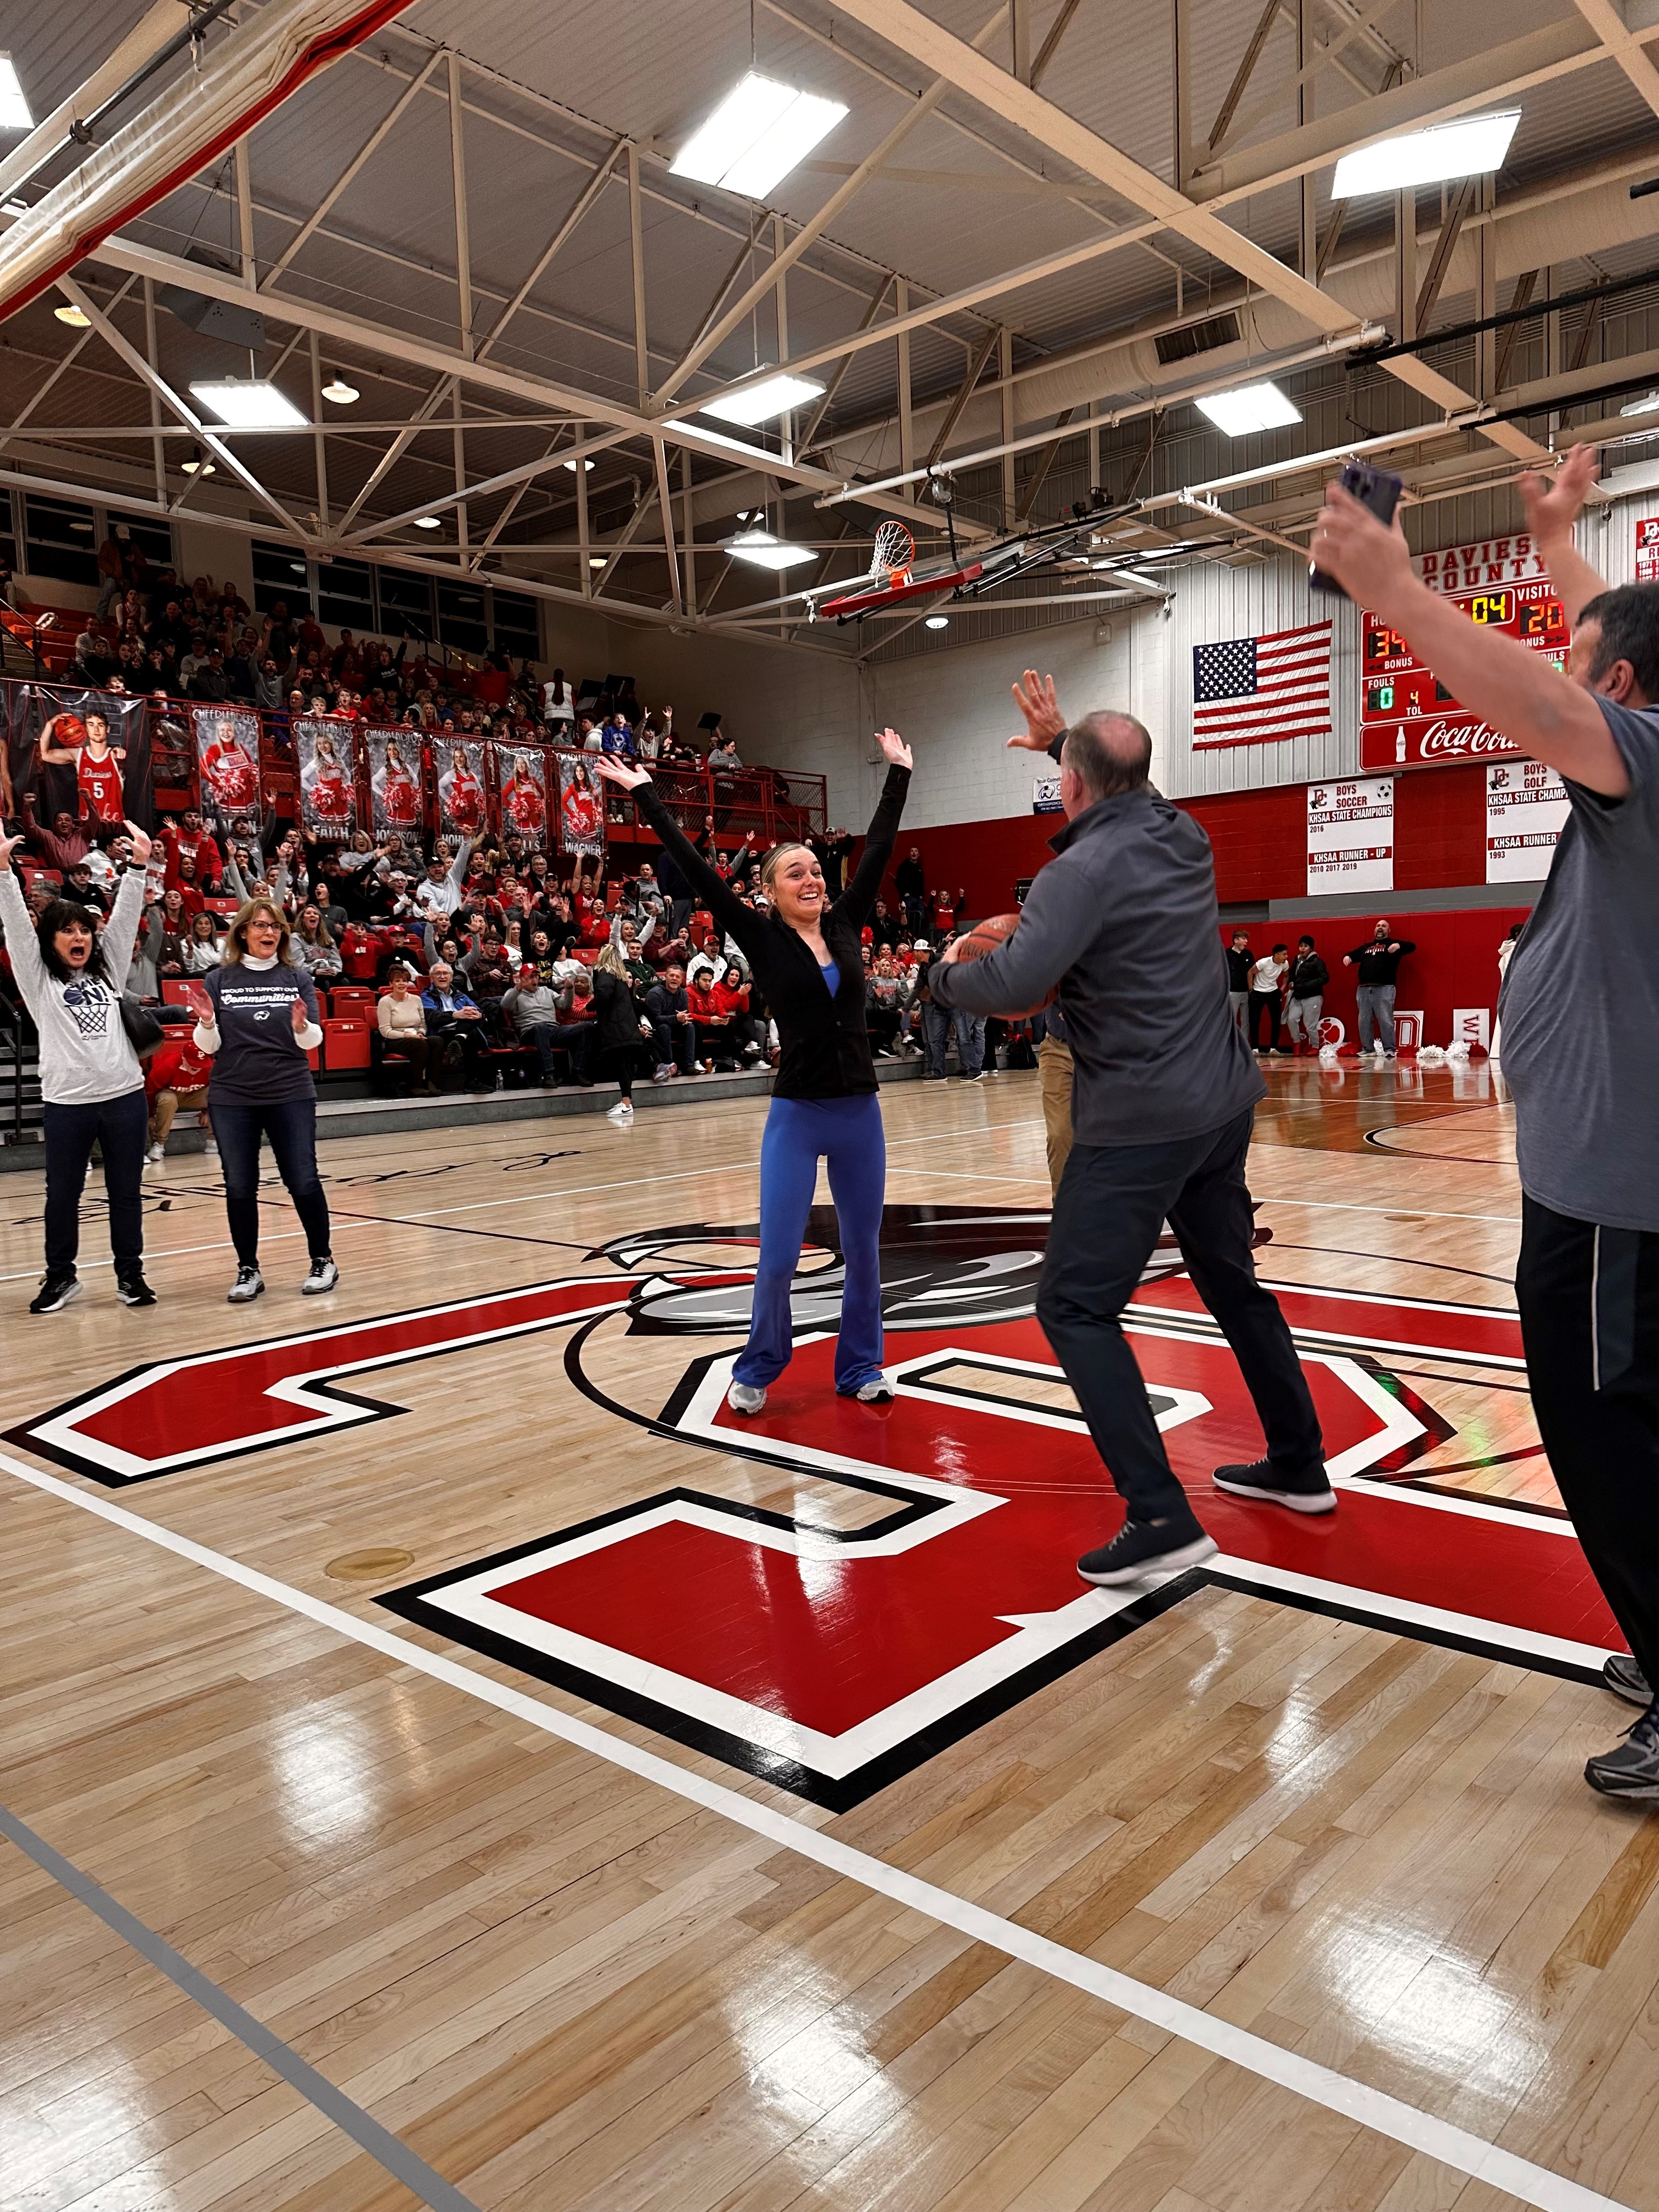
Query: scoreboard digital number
point(1407, 716)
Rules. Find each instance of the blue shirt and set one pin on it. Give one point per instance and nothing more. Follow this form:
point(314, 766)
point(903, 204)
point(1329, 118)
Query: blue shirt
point(617, 738)
point(831, 975)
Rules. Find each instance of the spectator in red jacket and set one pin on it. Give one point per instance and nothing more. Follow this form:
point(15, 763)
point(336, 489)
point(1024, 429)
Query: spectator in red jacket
point(175, 1075)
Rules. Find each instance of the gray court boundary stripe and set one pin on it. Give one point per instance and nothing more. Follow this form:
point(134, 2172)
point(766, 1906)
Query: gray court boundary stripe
point(386, 2149)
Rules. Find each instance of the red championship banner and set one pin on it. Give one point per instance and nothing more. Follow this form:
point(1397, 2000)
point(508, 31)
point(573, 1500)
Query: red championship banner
point(1408, 718)
point(1647, 549)
point(227, 757)
point(394, 781)
point(521, 791)
point(582, 805)
point(326, 751)
point(459, 763)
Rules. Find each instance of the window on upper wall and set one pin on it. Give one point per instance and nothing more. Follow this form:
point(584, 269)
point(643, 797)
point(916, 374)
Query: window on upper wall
point(280, 573)
point(155, 538)
point(461, 621)
point(515, 625)
point(405, 603)
point(345, 593)
point(60, 541)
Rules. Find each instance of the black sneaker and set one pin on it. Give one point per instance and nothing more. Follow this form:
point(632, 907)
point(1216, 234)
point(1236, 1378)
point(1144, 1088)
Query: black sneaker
point(1309, 1492)
point(56, 1293)
point(1631, 1769)
point(1625, 1679)
point(133, 1291)
point(1147, 1547)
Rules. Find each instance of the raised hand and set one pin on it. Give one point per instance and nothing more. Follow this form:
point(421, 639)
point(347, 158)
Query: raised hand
point(614, 769)
point(141, 843)
point(297, 1015)
point(1034, 696)
point(1552, 506)
point(7, 847)
point(898, 753)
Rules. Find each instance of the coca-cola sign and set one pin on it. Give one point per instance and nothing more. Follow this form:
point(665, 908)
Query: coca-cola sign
point(1408, 717)
point(1430, 745)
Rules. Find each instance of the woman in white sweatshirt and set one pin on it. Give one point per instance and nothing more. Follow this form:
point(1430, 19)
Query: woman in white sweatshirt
point(71, 978)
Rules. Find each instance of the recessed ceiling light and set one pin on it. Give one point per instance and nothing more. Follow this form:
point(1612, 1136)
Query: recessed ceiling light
point(757, 134)
point(587, 468)
point(759, 403)
point(15, 109)
point(1250, 407)
point(249, 404)
point(427, 522)
point(1465, 147)
point(15, 207)
point(341, 393)
point(762, 550)
point(77, 318)
point(937, 622)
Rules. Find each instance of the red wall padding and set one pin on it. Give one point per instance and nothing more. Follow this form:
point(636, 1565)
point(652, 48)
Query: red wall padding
point(1455, 963)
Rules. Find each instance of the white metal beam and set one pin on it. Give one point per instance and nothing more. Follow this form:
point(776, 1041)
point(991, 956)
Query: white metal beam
point(1607, 21)
point(348, 175)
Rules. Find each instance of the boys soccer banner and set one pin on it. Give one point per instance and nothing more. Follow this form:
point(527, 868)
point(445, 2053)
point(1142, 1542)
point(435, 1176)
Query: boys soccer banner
point(1351, 835)
point(581, 806)
point(227, 757)
point(326, 751)
point(521, 792)
point(75, 752)
point(1527, 809)
point(460, 765)
point(394, 780)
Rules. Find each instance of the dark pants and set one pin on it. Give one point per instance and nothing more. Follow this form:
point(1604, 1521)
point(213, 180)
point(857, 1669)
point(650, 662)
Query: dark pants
point(548, 1037)
point(1112, 1202)
point(122, 1127)
point(1590, 1322)
point(675, 1044)
point(468, 1039)
point(291, 1125)
point(1263, 1002)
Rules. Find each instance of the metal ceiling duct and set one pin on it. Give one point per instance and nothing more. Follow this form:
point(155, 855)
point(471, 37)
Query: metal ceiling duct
point(252, 70)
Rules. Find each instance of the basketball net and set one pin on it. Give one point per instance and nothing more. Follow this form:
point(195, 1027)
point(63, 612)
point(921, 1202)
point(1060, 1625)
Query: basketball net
point(896, 549)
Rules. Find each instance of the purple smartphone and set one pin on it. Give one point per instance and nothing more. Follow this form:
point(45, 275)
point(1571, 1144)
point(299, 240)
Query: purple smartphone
point(1376, 489)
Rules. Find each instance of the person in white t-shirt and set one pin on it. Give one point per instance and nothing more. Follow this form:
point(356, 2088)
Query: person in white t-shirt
point(558, 707)
point(1267, 979)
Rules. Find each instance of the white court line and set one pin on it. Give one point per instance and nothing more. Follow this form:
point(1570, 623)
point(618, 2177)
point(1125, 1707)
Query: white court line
point(1375, 2109)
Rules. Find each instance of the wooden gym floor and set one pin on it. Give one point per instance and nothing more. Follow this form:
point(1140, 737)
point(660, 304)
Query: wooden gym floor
point(727, 1819)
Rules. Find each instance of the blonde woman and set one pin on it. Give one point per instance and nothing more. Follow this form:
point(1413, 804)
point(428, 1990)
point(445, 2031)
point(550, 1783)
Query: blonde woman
point(262, 1022)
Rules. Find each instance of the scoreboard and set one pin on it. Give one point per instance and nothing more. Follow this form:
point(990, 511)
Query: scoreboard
point(1408, 718)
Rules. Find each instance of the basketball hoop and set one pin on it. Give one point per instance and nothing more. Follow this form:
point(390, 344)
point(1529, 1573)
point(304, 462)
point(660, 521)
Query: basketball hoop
point(896, 549)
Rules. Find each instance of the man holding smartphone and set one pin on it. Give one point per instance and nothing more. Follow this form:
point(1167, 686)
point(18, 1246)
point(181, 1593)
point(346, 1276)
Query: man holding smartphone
point(1580, 1008)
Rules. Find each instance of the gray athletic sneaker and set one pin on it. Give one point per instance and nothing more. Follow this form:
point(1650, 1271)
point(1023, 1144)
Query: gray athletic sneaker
point(1625, 1679)
point(743, 1398)
point(1631, 1769)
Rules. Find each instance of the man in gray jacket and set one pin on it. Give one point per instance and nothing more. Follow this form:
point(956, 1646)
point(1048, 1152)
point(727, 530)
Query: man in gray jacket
point(1125, 921)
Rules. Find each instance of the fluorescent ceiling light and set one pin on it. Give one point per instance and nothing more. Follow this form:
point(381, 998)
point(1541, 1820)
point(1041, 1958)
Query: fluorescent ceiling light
point(1468, 148)
point(937, 622)
point(427, 522)
point(762, 550)
point(15, 109)
point(15, 207)
point(339, 392)
point(587, 468)
point(1251, 407)
point(759, 403)
point(77, 318)
point(249, 404)
point(1648, 406)
point(757, 134)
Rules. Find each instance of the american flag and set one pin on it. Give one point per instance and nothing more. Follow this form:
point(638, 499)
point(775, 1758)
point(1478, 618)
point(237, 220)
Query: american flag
point(1260, 690)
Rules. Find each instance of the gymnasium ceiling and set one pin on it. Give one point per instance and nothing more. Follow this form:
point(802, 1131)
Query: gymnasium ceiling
point(1061, 193)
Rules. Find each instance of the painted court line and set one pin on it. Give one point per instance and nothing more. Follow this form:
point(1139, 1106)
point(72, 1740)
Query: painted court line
point(386, 2149)
point(1375, 2109)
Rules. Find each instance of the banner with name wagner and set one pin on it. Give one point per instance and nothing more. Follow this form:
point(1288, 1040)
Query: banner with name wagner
point(1351, 835)
point(394, 781)
point(1527, 810)
point(326, 752)
point(227, 758)
point(581, 806)
point(460, 765)
point(521, 791)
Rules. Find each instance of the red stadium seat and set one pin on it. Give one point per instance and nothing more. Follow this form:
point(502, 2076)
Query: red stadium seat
point(176, 990)
point(345, 1045)
point(227, 906)
point(351, 1001)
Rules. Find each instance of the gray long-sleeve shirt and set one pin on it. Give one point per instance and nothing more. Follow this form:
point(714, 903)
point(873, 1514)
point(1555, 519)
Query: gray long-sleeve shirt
point(1124, 918)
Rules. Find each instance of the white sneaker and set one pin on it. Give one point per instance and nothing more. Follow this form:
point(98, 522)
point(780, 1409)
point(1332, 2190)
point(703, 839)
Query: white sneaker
point(156, 1152)
point(879, 1393)
point(250, 1284)
point(324, 1276)
point(211, 1151)
point(743, 1398)
point(663, 1073)
point(622, 1112)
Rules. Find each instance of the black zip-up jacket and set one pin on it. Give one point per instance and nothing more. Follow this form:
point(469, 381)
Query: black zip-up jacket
point(1309, 976)
point(1239, 965)
point(616, 1012)
point(825, 1046)
point(1378, 965)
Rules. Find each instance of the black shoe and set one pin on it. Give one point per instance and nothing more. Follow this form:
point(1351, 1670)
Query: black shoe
point(1625, 1679)
point(1631, 1769)
point(55, 1293)
point(133, 1291)
point(1276, 1485)
point(1147, 1547)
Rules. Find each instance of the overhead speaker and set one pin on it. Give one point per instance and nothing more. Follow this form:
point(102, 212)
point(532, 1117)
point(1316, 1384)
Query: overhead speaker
point(215, 318)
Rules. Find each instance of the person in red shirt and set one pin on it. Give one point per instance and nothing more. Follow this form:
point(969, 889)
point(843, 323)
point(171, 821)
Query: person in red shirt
point(176, 1074)
point(63, 845)
point(186, 835)
point(96, 763)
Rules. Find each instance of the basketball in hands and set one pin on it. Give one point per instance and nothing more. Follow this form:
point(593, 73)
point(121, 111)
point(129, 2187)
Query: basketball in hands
point(985, 937)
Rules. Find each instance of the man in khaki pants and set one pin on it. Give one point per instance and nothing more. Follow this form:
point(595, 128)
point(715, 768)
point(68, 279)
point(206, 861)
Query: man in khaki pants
point(1054, 1065)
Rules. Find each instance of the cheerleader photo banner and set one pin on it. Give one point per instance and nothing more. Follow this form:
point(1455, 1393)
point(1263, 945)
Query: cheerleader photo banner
point(227, 758)
point(394, 781)
point(460, 765)
point(521, 792)
point(326, 752)
point(581, 806)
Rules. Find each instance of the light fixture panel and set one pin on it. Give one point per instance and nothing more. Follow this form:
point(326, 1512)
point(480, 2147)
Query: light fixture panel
point(762, 403)
point(937, 622)
point(1467, 146)
point(1248, 408)
point(14, 107)
point(758, 134)
point(761, 549)
point(247, 404)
